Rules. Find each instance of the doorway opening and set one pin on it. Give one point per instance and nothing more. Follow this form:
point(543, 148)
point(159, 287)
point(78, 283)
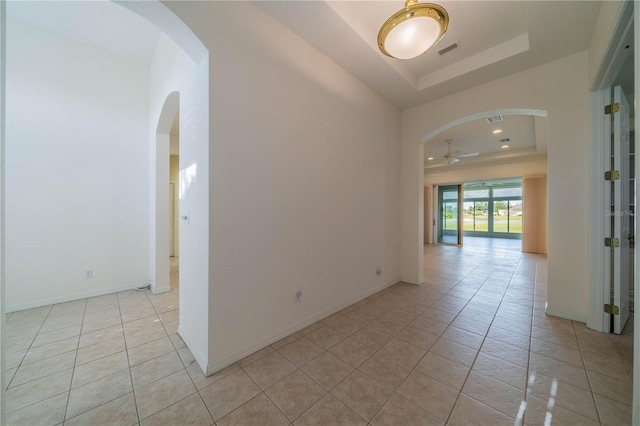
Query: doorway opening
point(165, 243)
point(613, 206)
point(174, 211)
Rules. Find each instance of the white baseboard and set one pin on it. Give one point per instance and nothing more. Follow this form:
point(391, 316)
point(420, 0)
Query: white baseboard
point(160, 290)
point(219, 365)
point(200, 358)
point(69, 298)
point(573, 316)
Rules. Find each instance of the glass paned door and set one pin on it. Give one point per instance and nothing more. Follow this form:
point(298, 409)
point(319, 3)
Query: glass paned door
point(507, 216)
point(476, 216)
point(493, 209)
point(449, 210)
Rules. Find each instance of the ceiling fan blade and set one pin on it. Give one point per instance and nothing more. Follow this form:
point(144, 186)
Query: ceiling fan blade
point(472, 154)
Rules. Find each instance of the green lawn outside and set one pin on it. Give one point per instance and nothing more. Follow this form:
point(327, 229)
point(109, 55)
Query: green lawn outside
point(499, 224)
point(450, 224)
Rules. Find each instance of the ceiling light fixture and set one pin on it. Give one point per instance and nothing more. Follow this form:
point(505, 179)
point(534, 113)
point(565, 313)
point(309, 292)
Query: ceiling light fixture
point(505, 146)
point(412, 31)
point(496, 131)
point(430, 158)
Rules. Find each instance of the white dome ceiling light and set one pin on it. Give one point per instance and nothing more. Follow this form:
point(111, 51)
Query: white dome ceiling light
point(412, 31)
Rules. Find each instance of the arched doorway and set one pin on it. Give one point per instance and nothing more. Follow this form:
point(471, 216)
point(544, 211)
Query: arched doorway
point(160, 196)
point(528, 129)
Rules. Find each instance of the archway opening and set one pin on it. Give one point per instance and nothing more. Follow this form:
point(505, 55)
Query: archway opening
point(483, 146)
point(162, 232)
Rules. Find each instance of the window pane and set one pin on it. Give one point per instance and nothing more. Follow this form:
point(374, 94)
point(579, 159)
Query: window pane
point(468, 219)
point(515, 217)
point(450, 217)
point(507, 192)
point(482, 216)
point(507, 216)
point(450, 195)
point(475, 216)
point(500, 216)
point(476, 193)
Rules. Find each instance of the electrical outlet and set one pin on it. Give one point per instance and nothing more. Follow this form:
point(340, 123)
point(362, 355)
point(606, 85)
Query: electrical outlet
point(298, 295)
point(88, 273)
point(378, 270)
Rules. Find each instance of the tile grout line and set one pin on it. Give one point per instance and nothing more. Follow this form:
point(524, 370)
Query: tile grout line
point(483, 340)
point(184, 368)
point(527, 377)
point(29, 348)
point(413, 368)
point(73, 369)
point(126, 349)
point(378, 350)
point(439, 336)
point(93, 381)
point(21, 364)
point(326, 392)
point(197, 391)
point(503, 299)
point(593, 397)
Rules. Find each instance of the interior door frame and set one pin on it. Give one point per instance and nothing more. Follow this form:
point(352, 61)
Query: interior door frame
point(171, 219)
point(621, 218)
point(627, 20)
point(615, 57)
point(636, 326)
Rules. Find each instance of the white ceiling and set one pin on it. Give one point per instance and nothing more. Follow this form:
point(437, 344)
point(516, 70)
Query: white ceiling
point(477, 136)
point(495, 38)
point(102, 24)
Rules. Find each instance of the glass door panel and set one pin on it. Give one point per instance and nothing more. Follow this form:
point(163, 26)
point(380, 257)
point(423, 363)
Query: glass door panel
point(493, 209)
point(448, 214)
point(515, 217)
point(476, 218)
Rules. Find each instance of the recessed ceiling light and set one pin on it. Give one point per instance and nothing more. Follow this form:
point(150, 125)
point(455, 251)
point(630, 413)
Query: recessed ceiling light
point(496, 131)
point(505, 146)
point(430, 158)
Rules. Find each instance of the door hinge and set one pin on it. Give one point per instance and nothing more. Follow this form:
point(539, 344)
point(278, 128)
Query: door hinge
point(612, 309)
point(611, 242)
point(612, 175)
point(612, 109)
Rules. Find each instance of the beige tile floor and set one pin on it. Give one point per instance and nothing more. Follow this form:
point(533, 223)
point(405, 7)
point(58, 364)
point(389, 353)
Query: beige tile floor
point(470, 346)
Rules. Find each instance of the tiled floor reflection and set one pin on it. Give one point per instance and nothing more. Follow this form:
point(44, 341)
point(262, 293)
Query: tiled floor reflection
point(472, 346)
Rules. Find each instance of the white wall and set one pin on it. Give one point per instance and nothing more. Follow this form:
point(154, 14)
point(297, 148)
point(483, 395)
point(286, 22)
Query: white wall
point(561, 88)
point(76, 169)
point(3, 21)
point(304, 181)
point(172, 70)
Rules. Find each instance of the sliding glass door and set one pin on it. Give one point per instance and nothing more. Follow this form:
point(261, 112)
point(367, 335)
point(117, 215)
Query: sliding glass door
point(449, 218)
point(493, 209)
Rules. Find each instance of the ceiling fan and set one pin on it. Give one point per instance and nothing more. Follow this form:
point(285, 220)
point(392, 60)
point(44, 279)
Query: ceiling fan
point(453, 158)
